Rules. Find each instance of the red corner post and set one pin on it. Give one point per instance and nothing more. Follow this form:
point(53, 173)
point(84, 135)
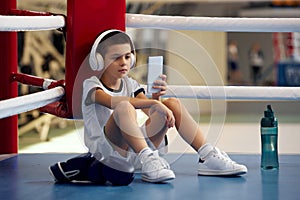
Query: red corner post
point(85, 20)
point(8, 64)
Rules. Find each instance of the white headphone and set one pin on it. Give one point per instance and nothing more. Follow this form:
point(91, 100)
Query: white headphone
point(96, 60)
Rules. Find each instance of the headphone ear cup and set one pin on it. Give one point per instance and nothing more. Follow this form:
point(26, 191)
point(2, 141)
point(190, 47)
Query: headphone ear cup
point(132, 57)
point(100, 62)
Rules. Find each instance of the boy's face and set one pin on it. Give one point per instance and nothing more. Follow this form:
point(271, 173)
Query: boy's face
point(117, 60)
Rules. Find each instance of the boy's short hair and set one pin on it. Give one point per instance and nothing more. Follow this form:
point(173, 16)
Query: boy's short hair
point(113, 38)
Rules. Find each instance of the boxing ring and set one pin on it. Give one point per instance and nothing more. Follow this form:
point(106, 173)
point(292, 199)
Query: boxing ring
point(57, 93)
point(33, 21)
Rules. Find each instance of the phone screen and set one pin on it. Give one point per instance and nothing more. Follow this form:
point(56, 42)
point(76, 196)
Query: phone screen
point(155, 69)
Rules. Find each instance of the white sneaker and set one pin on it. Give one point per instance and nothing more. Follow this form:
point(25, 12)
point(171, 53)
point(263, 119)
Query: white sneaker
point(156, 169)
point(216, 163)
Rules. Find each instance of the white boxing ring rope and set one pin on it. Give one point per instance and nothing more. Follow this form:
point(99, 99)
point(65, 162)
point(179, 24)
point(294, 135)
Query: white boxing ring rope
point(240, 93)
point(226, 24)
point(13, 106)
point(30, 23)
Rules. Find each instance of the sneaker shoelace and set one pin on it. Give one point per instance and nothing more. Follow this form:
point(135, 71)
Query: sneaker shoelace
point(223, 156)
point(227, 157)
point(164, 162)
point(156, 162)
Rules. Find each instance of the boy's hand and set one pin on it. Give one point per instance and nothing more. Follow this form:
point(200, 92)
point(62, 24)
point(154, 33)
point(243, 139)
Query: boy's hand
point(162, 85)
point(161, 108)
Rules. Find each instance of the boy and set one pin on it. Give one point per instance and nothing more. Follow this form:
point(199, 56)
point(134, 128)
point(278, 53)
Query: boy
point(109, 106)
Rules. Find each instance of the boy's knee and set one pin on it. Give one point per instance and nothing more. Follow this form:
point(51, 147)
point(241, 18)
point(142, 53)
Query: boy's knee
point(123, 109)
point(172, 103)
point(123, 106)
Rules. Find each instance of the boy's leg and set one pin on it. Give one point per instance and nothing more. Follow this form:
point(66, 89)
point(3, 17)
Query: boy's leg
point(212, 161)
point(156, 128)
point(186, 126)
point(122, 130)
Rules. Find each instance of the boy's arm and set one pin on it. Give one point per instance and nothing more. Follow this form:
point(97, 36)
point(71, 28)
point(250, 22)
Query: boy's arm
point(140, 102)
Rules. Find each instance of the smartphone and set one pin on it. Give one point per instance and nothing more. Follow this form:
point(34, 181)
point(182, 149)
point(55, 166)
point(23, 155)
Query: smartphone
point(155, 69)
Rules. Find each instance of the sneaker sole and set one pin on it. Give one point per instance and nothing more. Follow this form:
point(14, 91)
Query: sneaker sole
point(158, 180)
point(221, 173)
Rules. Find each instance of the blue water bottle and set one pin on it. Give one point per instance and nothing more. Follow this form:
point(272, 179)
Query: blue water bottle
point(269, 138)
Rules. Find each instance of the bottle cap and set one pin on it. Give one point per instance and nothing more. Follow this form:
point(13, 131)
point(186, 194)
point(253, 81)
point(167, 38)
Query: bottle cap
point(269, 112)
point(268, 120)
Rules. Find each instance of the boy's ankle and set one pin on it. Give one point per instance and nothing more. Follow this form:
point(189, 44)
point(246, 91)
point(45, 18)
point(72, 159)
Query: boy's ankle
point(144, 153)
